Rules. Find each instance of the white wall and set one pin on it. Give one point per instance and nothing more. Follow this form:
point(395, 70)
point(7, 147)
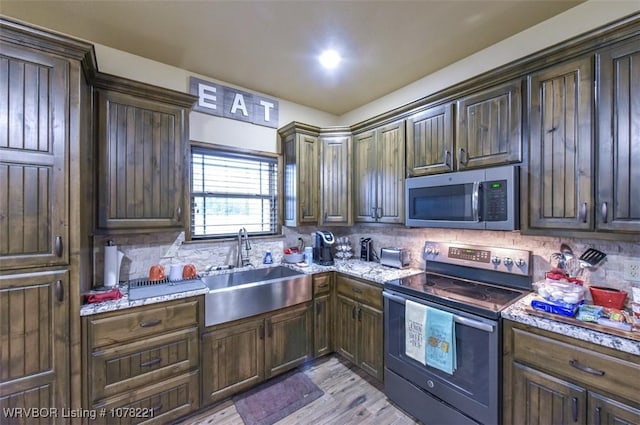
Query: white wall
point(203, 127)
point(575, 21)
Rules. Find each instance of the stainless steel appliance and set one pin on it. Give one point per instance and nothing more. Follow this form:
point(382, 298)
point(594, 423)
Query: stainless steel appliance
point(395, 257)
point(476, 199)
point(323, 242)
point(474, 283)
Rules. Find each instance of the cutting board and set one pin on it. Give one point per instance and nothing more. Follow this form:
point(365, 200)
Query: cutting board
point(587, 325)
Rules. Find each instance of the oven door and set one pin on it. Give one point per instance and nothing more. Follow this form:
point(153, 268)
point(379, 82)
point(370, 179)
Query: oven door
point(445, 200)
point(473, 389)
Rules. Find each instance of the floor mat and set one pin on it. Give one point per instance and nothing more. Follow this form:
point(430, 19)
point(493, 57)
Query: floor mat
point(276, 399)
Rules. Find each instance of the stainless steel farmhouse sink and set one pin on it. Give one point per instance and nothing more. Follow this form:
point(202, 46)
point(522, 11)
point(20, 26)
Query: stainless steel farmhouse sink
point(246, 293)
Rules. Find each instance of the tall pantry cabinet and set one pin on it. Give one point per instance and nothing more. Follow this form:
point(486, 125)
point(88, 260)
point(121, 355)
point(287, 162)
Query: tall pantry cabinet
point(45, 173)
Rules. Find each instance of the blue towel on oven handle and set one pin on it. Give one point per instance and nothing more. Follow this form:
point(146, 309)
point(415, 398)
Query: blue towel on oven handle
point(441, 340)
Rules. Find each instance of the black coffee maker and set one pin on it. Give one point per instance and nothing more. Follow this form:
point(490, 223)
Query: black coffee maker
point(322, 242)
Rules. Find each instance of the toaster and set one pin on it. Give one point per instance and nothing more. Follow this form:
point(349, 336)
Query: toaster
point(394, 257)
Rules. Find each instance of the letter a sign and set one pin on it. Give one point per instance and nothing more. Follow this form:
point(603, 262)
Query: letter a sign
point(222, 101)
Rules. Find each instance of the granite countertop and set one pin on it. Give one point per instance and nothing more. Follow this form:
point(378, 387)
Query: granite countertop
point(516, 312)
point(365, 270)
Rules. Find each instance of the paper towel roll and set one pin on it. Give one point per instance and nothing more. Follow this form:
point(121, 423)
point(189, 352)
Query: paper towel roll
point(111, 269)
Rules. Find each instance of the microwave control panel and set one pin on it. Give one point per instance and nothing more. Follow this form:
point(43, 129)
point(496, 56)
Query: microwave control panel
point(495, 200)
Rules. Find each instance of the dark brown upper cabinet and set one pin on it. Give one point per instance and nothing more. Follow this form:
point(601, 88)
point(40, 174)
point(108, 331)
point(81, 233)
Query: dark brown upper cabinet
point(561, 146)
point(489, 127)
point(618, 184)
point(430, 141)
point(142, 155)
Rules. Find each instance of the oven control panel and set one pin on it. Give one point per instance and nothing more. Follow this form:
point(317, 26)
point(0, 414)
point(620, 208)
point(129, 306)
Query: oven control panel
point(507, 260)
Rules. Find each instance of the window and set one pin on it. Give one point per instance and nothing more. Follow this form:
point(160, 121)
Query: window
point(232, 190)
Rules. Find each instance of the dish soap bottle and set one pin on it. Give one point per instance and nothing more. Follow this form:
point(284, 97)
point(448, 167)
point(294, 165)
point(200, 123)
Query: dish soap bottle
point(268, 259)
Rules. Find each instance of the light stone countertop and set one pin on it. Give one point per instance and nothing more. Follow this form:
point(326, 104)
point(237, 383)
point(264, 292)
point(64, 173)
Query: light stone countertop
point(365, 270)
point(516, 312)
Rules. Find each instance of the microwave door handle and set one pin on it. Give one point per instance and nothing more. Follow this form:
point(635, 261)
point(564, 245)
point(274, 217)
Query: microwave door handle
point(475, 200)
point(458, 319)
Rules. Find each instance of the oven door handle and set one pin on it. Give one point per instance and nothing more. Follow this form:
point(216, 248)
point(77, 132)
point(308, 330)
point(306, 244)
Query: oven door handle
point(458, 319)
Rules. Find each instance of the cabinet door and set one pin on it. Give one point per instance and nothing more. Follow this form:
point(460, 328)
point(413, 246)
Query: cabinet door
point(289, 339)
point(234, 360)
point(335, 199)
point(322, 325)
point(346, 338)
point(560, 145)
point(390, 179)
point(34, 336)
point(308, 182)
point(489, 127)
point(365, 174)
point(539, 398)
point(618, 183)
point(33, 149)
point(430, 141)
point(605, 411)
point(141, 157)
point(370, 344)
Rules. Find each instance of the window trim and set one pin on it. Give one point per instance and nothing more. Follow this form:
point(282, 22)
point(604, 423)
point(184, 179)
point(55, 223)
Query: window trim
point(233, 150)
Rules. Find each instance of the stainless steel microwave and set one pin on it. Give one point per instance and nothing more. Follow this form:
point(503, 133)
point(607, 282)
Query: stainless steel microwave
point(485, 199)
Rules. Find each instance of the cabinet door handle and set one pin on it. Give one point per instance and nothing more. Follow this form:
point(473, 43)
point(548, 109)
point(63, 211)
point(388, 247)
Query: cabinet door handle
point(597, 420)
point(379, 210)
point(353, 313)
point(603, 212)
point(586, 369)
point(59, 291)
point(583, 212)
point(270, 329)
point(179, 213)
point(261, 332)
point(373, 213)
point(58, 246)
point(462, 153)
point(325, 216)
point(447, 158)
point(318, 309)
point(151, 362)
point(574, 408)
point(150, 323)
point(360, 315)
point(304, 212)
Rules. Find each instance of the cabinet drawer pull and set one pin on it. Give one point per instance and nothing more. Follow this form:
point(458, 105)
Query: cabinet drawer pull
point(584, 368)
point(603, 212)
point(58, 246)
point(151, 362)
point(583, 212)
point(357, 290)
point(574, 408)
point(59, 291)
point(150, 323)
point(323, 285)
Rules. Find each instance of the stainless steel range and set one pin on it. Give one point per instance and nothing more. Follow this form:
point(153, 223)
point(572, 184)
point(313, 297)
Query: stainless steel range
point(474, 284)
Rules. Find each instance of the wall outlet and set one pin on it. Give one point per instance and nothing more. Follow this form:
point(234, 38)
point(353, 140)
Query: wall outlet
point(632, 270)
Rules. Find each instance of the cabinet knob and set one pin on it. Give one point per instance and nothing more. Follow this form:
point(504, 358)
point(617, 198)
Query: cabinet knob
point(604, 212)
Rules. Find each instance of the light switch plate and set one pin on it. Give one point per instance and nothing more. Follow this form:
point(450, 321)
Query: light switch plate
point(632, 270)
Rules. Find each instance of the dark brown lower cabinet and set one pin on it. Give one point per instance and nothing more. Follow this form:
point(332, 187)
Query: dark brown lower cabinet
point(238, 355)
point(323, 314)
point(359, 324)
point(554, 379)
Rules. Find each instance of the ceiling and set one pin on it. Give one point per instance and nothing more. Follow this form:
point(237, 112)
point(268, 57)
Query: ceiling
point(272, 46)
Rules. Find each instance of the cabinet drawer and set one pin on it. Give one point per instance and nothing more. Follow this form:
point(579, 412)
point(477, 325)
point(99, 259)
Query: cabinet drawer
point(141, 323)
point(124, 367)
point(577, 364)
point(360, 291)
point(160, 403)
point(321, 284)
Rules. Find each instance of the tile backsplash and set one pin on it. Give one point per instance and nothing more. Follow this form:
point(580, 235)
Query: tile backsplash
point(142, 251)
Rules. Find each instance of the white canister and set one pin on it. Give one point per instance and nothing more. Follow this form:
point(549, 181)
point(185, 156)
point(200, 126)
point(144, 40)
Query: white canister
point(175, 272)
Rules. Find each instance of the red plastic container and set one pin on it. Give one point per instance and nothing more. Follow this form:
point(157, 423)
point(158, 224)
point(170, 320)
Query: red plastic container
point(608, 297)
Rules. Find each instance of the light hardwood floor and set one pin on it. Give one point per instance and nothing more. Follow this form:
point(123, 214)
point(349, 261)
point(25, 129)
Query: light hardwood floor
point(350, 397)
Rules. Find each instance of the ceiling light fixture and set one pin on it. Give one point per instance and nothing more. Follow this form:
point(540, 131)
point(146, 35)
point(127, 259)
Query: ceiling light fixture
point(330, 59)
